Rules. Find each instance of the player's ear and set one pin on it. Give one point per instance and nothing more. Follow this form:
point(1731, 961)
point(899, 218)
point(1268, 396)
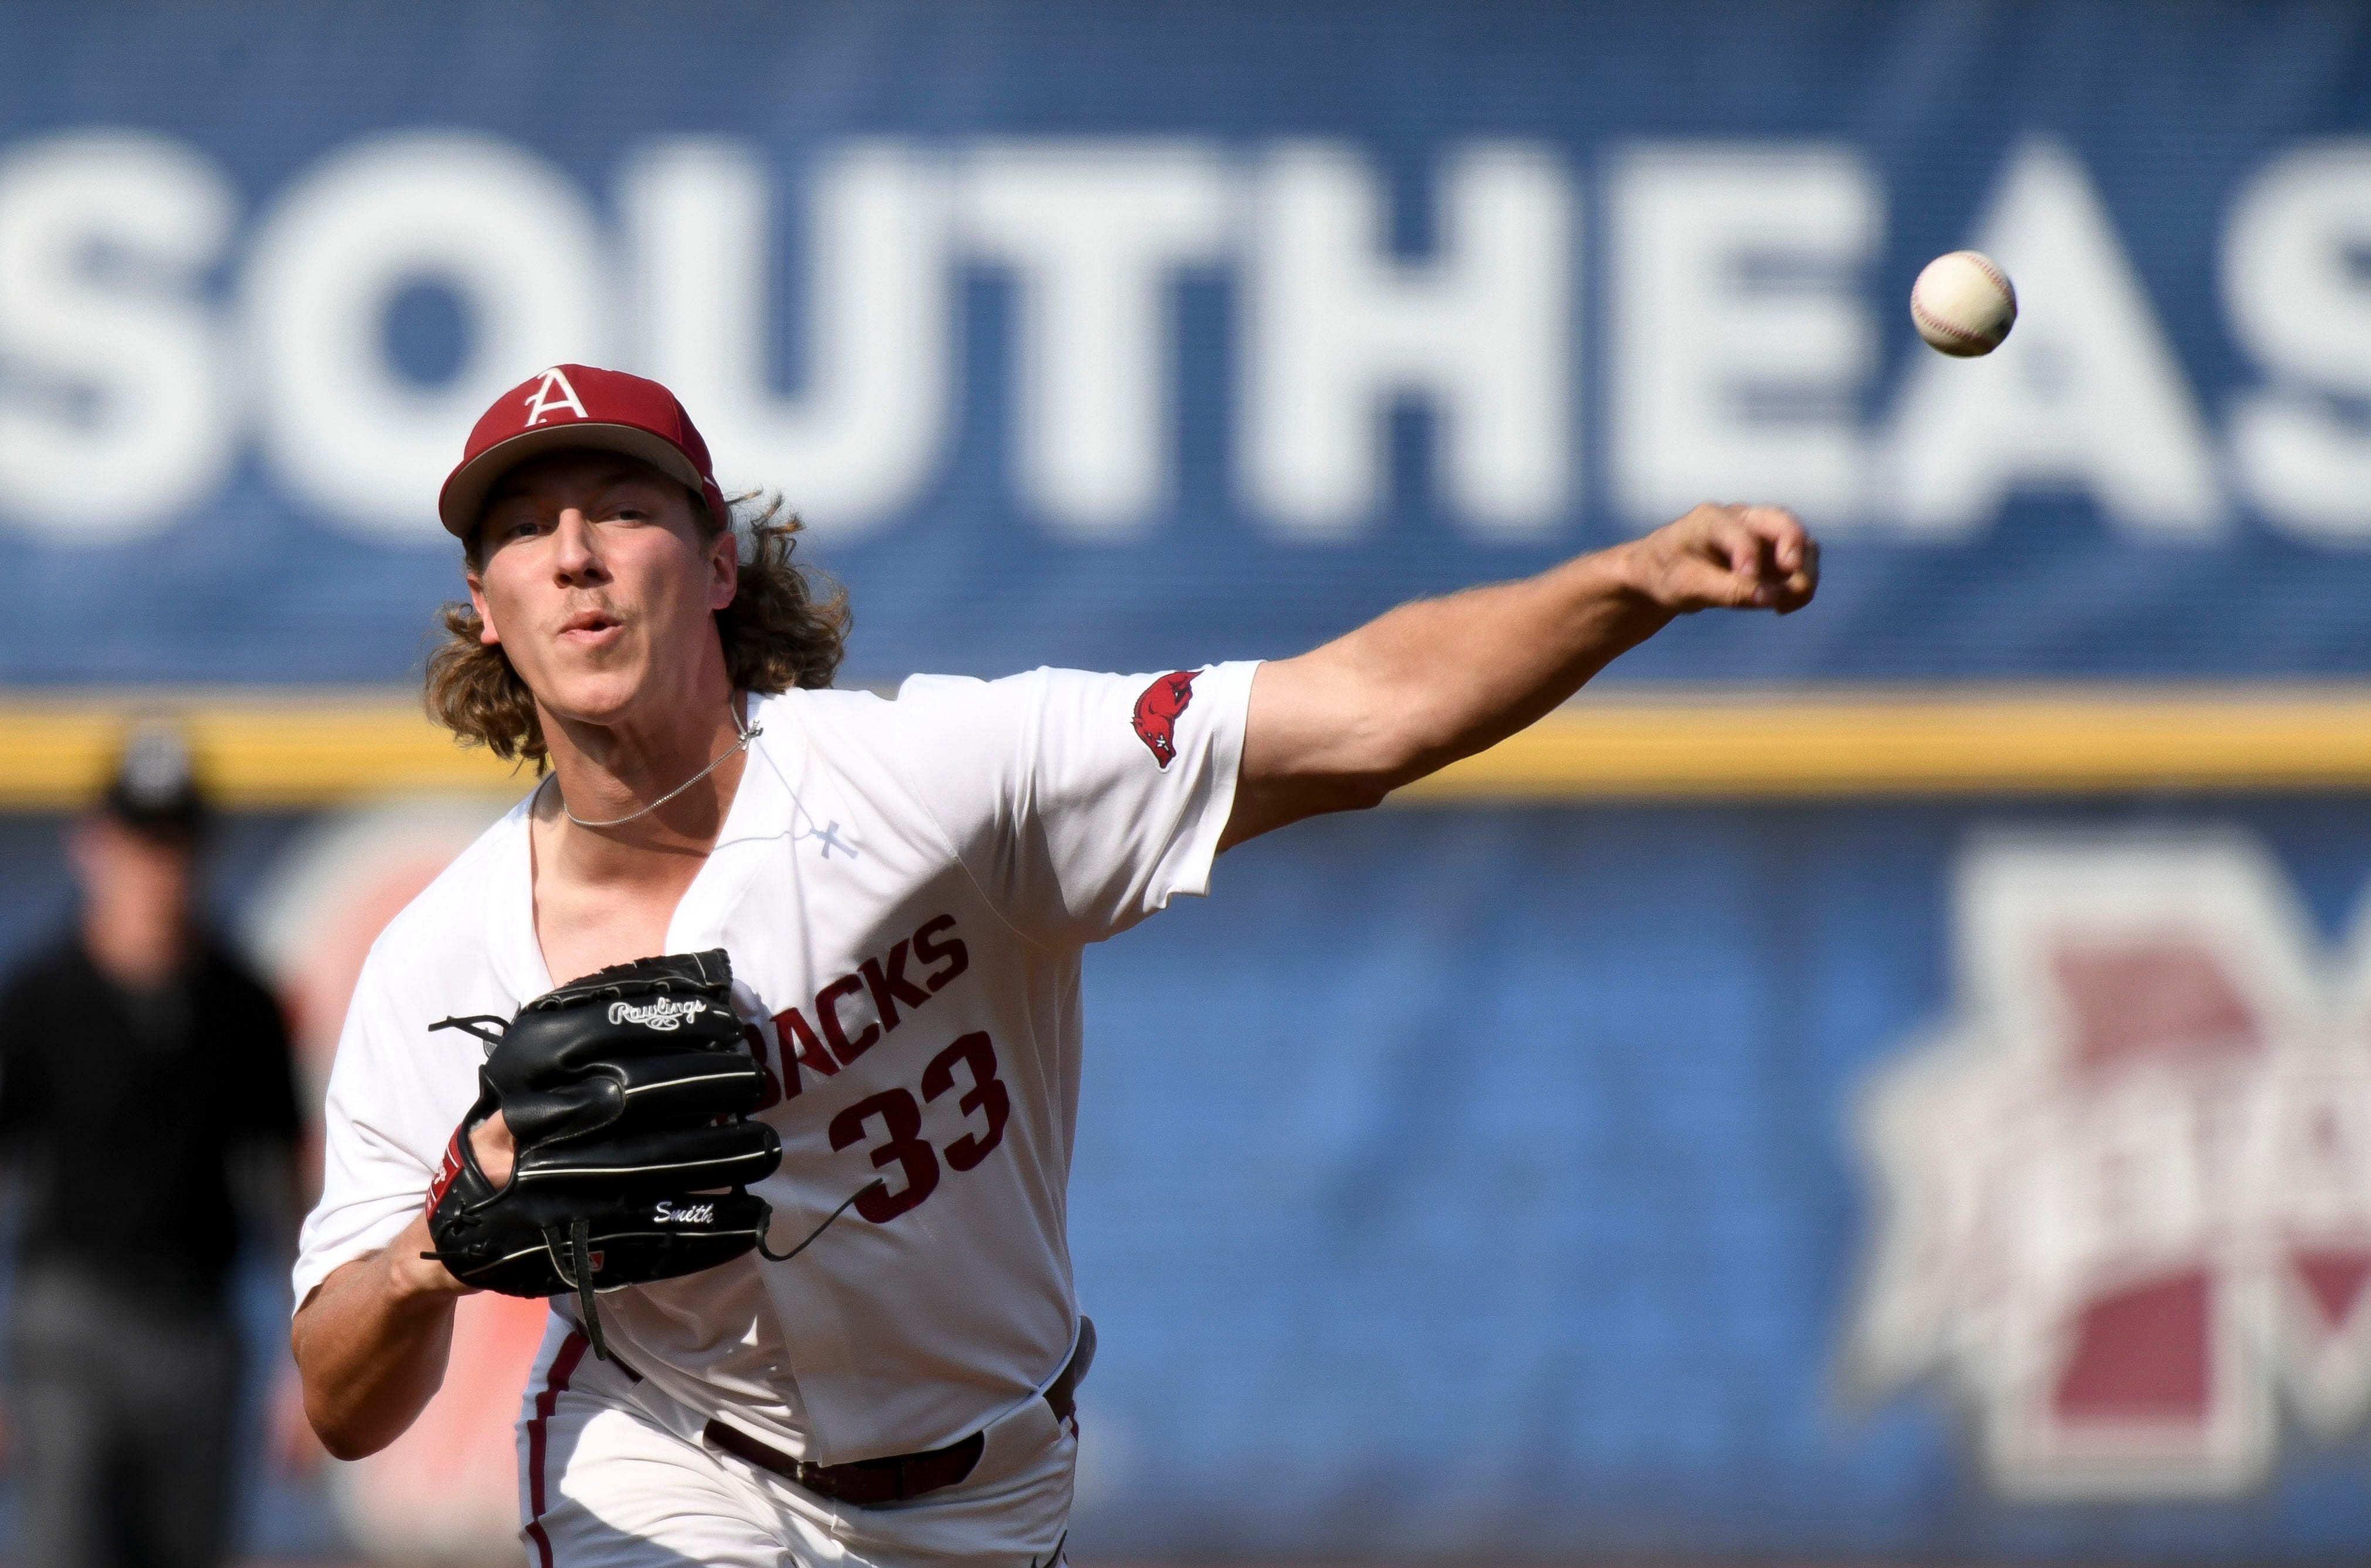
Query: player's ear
point(723, 569)
point(487, 635)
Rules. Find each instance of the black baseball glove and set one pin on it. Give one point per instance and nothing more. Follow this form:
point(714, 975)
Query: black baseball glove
point(627, 1093)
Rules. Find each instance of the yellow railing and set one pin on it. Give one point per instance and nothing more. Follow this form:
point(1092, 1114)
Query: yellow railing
point(1902, 742)
point(313, 747)
point(292, 748)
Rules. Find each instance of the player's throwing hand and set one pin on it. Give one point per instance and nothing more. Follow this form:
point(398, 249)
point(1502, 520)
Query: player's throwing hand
point(1746, 558)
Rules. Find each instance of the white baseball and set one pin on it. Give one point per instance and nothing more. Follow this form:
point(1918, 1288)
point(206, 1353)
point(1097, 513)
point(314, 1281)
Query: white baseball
point(1964, 304)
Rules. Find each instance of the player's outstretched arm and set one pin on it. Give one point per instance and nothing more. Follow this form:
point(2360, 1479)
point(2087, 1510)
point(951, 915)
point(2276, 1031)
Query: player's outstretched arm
point(1412, 691)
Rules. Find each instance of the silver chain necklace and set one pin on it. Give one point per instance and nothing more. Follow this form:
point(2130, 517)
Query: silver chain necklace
point(747, 732)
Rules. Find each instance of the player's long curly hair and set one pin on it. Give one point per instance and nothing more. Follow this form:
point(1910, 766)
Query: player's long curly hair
point(786, 627)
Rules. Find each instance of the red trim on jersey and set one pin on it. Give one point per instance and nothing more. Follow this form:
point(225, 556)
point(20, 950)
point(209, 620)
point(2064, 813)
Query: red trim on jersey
point(555, 1383)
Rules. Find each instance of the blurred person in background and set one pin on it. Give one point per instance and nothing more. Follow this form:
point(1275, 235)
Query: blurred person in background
point(146, 1098)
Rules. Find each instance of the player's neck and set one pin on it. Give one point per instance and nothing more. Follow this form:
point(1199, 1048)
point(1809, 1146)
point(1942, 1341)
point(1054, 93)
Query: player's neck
point(606, 772)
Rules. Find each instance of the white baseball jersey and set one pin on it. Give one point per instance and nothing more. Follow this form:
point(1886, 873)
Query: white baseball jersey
point(904, 888)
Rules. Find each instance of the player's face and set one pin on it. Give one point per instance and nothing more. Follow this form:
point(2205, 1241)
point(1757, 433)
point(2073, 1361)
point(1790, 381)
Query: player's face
point(594, 576)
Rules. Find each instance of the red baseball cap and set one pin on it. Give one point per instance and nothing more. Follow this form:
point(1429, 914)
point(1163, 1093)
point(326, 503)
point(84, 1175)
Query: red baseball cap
point(570, 407)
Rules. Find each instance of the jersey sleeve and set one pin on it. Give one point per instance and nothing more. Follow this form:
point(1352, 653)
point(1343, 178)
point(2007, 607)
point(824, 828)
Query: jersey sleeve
point(1081, 804)
point(386, 1120)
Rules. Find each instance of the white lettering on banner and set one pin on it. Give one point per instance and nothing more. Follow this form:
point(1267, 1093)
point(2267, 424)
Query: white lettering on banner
point(1333, 328)
point(1095, 230)
point(1742, 335)
point(871, 429)
point(2301, 303)
point(2086, 394)
point(116, 415)
point(540, 402)
point(2127, 1186)
point(340, 426)
point(1724, 385)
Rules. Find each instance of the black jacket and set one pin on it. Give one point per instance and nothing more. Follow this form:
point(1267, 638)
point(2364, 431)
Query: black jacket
point(120, 1112)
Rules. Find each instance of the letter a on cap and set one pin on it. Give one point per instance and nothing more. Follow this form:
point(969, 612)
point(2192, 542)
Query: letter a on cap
point(540, 402)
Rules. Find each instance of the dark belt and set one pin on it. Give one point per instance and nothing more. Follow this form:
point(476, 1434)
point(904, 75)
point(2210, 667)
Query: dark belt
point(895, 1478)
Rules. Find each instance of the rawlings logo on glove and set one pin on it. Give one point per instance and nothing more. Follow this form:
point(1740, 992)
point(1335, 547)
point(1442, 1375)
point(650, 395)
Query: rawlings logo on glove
point(663, 1014)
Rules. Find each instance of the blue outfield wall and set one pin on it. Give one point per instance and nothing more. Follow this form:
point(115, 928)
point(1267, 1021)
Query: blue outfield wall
point(1489, 1179)
point(1470, 1181)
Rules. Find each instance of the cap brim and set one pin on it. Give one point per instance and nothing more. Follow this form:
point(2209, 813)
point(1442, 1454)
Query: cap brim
point(463, 500)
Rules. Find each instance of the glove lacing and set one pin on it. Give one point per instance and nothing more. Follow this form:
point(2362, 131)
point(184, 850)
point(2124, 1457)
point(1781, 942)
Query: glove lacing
point(578, 1272)
point(773, 1257)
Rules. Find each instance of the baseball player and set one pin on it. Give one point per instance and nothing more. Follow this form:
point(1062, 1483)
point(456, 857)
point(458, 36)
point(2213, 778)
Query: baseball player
point(890, 897)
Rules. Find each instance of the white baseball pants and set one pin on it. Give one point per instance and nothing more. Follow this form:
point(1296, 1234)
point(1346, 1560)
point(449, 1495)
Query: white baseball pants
point(613, 1474)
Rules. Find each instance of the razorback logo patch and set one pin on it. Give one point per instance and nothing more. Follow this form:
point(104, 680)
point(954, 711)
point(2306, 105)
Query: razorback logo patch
point(1157, 712)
